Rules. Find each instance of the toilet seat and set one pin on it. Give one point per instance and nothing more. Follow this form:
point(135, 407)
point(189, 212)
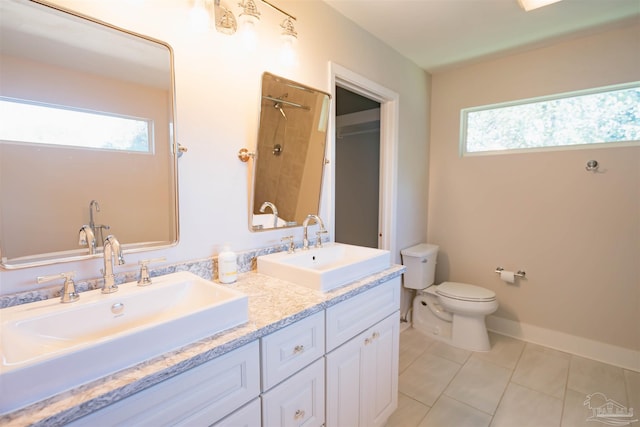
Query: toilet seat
point(465, 292)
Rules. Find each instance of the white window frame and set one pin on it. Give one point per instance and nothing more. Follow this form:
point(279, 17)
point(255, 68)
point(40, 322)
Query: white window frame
point(465, 112)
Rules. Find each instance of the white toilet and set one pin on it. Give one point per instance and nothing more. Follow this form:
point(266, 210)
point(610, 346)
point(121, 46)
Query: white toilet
point(452, 312)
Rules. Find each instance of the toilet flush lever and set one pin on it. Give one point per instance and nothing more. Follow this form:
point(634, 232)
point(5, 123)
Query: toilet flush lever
point(424, 260)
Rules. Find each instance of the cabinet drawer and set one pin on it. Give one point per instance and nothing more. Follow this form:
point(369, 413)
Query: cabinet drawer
point(290, 349)
point(247, 416)
point(299, 401)
point(347, 319)
point(200, 396)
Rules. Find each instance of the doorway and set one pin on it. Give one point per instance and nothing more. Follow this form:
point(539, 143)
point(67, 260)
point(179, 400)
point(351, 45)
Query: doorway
point(388, 148)
point(357, 169)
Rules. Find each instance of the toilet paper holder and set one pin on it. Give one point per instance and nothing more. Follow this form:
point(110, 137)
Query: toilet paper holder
point(519, 273)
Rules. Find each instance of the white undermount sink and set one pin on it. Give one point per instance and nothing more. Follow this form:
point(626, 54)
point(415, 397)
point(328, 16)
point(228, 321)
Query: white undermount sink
point(48, 347)
point(323, 269)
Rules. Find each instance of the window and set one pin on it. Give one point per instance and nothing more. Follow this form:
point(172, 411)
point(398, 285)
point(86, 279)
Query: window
point(24, 121)
point(599, 116)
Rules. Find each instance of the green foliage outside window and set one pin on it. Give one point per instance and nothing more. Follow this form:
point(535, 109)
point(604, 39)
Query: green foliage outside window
point(605, 115)
point(37, 123)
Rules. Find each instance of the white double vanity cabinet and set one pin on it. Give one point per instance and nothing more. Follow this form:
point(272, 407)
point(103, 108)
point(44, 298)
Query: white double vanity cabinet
point(336, 367)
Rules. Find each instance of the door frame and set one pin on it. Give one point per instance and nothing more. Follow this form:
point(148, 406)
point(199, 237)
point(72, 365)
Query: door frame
point(389, 124)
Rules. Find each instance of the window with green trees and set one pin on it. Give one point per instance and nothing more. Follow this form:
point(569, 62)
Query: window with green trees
point(38, 123)
point(598, 116)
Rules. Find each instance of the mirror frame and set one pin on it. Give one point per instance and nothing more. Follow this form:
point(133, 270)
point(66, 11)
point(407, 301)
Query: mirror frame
point(174, 148)
point(256, 155)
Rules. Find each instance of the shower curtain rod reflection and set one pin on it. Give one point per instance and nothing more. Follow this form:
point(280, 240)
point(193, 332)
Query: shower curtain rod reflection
point(282, 101)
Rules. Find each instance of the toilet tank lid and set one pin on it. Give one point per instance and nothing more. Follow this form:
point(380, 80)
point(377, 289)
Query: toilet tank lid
point(421, 250)
point(465, 291)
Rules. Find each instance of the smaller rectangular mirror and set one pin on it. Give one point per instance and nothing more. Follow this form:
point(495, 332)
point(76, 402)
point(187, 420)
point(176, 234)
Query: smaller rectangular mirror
point(290, 154)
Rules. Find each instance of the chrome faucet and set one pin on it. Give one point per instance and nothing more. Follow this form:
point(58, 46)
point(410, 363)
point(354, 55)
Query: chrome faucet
point(111, 250)
point(96, 228)
point(93, 204)
point(266, 205)
point(87, 237)
point(305, 225)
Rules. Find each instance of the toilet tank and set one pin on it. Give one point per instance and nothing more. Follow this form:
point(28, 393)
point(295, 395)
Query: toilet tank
point(420, 261)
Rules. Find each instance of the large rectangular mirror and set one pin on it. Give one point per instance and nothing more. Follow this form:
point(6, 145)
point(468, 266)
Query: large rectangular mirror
point(86, 137)
point(290, 155)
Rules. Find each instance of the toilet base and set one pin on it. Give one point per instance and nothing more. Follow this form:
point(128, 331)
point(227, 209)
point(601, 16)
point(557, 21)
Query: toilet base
point(469, 333)
point(465, 332)
point(428, 323)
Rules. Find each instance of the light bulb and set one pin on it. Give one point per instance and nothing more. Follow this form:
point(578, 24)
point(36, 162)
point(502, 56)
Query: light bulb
point(199, 17)
point(248, 34)
point(288, 55)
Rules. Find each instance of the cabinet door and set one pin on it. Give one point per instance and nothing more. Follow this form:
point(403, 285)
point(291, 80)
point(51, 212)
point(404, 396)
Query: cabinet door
point(380, 385)
point(298, 401)
point(362, 377)
point(344, 375)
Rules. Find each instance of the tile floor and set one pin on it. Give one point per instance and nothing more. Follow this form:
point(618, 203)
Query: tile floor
point(516, 384)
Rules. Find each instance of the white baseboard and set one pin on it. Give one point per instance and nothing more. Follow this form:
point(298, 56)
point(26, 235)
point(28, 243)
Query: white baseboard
point(603, 352)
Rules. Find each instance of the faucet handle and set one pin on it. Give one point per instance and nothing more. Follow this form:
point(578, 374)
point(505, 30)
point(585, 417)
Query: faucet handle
point(69, 293)
point(319, 234)
point(144, 279)
point(291, 248)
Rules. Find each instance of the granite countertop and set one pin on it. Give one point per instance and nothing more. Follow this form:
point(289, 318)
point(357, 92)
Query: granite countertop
point(273, 304)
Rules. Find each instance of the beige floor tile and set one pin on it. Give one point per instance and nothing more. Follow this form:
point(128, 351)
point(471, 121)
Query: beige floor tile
point(426, 378)
point(447, 351)
point(575, 413)
point(589, 376)
point(548, 350)
point(409, 413)
point(449, 412)
point(412, 345)
point(479, 384)
point(454, 389)
point(542, 370)
point(505, 351)
point(523, 407)
point(632, 381)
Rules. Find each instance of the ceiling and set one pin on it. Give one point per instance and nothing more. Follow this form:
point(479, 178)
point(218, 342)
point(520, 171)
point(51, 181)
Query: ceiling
point(440, 34)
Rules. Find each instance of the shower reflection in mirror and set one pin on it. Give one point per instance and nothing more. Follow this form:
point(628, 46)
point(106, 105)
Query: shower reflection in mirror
point(289, 160)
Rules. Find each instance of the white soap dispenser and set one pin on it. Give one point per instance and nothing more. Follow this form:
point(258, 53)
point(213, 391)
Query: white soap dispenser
point(227, 265)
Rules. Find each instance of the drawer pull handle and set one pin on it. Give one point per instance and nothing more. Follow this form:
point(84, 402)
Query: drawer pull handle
point(374, 335)
point(298, 349)
point(299, 414)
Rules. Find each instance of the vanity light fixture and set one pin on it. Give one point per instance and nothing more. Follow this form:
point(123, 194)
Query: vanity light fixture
point(289, 33)
point(287, 51)
point(248, 18)
point(199, 17)
point(250, 14)
point(289, 36)
point(225, 21)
